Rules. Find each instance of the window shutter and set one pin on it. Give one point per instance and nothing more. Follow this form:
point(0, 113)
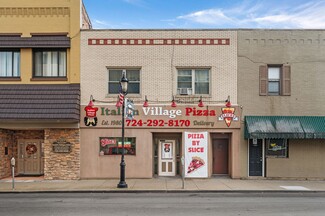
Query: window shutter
point(263, 80)
point(286, 80)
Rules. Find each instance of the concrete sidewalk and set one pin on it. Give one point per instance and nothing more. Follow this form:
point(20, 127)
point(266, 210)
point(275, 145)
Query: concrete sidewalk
point(161, 185)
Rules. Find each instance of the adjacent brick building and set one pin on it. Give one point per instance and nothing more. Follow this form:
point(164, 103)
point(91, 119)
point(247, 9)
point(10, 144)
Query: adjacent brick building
point(281, 76)
point(40, 87)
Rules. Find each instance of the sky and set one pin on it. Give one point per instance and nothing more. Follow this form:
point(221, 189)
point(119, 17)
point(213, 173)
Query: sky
point(205, 14)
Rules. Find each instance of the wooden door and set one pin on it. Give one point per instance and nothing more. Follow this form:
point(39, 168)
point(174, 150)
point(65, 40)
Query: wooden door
point(29, 160)
point(166, 158)
point(220, 156)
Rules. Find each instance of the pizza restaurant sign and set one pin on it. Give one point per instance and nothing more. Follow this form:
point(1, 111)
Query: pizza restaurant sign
point(165, 116)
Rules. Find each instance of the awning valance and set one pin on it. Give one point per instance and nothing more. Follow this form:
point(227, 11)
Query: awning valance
point(286, 127)
point(36, 41)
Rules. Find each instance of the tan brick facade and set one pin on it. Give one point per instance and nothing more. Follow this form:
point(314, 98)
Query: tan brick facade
point(303, 50)
point(158, 56)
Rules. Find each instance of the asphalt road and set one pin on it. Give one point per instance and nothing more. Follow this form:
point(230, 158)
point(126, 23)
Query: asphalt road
point(170, 204)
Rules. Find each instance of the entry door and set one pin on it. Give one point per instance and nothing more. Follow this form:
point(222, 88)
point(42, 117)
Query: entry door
point(256, 157)
point(220, 156)
point(166, 158)
point(29, 162)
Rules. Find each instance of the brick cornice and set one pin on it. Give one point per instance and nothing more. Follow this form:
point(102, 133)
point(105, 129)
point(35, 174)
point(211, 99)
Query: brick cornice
point(34, 11)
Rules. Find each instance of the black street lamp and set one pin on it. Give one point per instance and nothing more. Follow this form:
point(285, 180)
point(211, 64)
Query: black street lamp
point(124, 88)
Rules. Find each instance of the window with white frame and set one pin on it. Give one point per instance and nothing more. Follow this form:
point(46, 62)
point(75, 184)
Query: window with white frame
point(274, 80)
point(193, 81)
point(9, 63)
point(50, 63)
point(114, 77)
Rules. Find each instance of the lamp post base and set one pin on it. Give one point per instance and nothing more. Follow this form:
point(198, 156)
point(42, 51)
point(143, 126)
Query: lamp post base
point(122, 184)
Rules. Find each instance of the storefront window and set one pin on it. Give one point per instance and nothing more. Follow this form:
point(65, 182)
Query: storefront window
point(277, 148)
point(113, 146)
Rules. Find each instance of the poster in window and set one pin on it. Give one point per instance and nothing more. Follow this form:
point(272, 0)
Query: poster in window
point(113, 146)
point(167, 150)
point(277, 148)
point(196, 155)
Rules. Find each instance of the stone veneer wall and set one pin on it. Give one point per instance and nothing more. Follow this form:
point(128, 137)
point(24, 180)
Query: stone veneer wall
point(62, 166)
point(5, 141)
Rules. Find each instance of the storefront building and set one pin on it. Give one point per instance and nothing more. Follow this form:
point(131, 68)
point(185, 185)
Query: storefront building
point(185, 66)
point(40, 87)
point(281, 75)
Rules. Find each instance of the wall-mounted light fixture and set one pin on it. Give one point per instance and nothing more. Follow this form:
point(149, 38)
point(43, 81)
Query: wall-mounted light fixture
point(145, 104)
point(228, 104)
point(201, 102)
point(173, 102)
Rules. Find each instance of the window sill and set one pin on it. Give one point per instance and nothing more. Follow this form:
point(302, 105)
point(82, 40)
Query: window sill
point(193, 96)
point(49, 79)
point(129, 95)
point(112, 155)
point(274, 95)
point(10, 79)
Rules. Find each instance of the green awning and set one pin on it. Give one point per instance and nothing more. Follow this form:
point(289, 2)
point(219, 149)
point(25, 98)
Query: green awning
point(287, 127)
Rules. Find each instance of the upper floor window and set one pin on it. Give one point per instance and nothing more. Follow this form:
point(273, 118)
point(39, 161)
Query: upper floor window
point(9, 63)
point(193, 81)
point(114, 77)
point(50, 63)
point(275, 80)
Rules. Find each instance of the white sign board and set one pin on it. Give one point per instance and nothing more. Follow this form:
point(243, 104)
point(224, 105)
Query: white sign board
point(196, 155)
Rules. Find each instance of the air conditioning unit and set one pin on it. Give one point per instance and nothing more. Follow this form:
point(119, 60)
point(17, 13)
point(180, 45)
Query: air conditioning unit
point(184, 91)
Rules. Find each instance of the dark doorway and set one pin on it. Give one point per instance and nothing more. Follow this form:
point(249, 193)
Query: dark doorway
point(255, 157)
point(220, 156)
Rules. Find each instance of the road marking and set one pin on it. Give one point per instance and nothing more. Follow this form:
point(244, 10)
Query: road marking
point(294, 188)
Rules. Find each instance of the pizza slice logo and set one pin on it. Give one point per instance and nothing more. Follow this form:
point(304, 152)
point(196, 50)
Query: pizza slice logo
point(228, 115)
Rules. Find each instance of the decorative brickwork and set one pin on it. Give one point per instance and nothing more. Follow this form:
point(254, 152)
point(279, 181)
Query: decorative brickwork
point(28, 134)
point(35, 11)
point(158, 41)
point(62, 166)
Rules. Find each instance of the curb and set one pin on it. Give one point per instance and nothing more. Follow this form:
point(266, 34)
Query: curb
point(166, 191)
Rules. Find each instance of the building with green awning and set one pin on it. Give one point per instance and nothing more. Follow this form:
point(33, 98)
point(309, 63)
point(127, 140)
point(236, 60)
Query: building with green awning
point(281, 76)
point(285, 127)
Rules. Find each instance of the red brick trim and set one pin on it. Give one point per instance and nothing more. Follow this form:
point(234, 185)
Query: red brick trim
point(49, 79)
point(10, 79)
point(158, 41)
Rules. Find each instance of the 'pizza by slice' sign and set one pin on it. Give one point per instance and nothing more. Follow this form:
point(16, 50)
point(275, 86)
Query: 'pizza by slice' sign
point(228, 114)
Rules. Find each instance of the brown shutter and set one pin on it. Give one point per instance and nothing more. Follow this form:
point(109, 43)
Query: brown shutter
point(263, 80)
point(286, 80)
